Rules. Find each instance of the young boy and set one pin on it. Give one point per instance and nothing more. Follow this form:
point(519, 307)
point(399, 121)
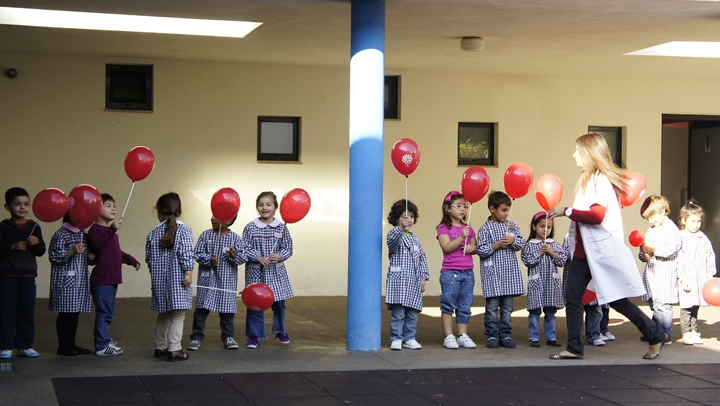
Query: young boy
point(20, 243)
point(103, 242)
point(498, 243)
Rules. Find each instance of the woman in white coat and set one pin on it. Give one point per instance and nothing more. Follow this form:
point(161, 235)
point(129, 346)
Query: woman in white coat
point(599, 250)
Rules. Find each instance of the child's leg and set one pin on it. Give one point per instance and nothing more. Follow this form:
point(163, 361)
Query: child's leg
point(685, 320)
point(411, 319)
point(227, 325)
point(255, 324)
point(397, 321)
point(62, 326)
point(162, 324)
point(506, 309)
point(605, 321)
point(8, 303)
point(466, 298)
point(278, 309)
point(533, 322)
point(662, 314)
point(175, 329)
point(693, 317)
point(104, 299)
point(550, 334)
point(593, 315)
point(491, 317)
point(25, 321)
point(198, 327)
point(448, 299)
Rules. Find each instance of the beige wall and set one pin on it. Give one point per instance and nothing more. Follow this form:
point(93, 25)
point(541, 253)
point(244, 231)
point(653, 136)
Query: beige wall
point(203, 133)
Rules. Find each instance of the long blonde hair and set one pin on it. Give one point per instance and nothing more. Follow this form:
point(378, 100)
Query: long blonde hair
point(595, 156)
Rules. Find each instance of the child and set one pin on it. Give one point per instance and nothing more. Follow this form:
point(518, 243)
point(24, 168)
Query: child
point(169, 256)
point(605, 333)
point(406, 276)
point(457, 279)
point(69, 284)
point(20, 242)
point(696, 264)
point(219, 253)
point(542, 255)
point(267, 246)
point(498, 241)
point(103, 242)
point(660, 253)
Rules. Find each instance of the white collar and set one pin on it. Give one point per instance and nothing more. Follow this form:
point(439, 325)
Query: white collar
point(536, 241)
point(72, 228)
point(260, 224)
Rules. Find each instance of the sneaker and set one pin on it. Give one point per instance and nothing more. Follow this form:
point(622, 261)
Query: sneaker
point(603, 337)
point(28, 352)
point(668, 340)
point(5, 354)
point(492, 342)
point(609, 336)
point(688, 338)
point(534, 343)
point(697, 339)
point(450, 342)
point(465, 341)
point(507, 342)
point(598, 342)
point(396, 345)
point(109, 351)
point(283, 337)
point(230, 344)
point(195, 345)
point(553, 343)
point(252, 342)
point(412, 345)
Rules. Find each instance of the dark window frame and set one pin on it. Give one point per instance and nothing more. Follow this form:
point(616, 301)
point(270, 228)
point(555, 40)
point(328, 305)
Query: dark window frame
point(293, 156)
point(139, 73)
point(491, 160)
point(616, 132)
point(392, 98)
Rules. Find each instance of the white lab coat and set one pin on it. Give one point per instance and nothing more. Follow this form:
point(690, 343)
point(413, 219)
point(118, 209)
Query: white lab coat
point(612, 265)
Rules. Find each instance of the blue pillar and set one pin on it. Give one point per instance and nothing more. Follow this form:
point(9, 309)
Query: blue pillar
point(367, 83)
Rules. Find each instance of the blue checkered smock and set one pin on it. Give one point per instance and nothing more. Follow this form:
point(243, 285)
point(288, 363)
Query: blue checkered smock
point(224, 276)
point(69, 276)
point(167, 269)
point(259, 239)
point(696, 264)
point(408, 267)
point(500, 270)
point(544, 285)
point(660, 277)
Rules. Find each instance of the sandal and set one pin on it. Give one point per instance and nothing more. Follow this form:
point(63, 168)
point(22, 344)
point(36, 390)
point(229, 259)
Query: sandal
point(566, 355)
point(161, 353)
point(178, 355)
point(654, 351)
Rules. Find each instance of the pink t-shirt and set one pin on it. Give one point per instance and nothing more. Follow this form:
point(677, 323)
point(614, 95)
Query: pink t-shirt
point(456, 260)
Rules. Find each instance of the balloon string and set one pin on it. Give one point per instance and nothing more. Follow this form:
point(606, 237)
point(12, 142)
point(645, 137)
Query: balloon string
point(468, 223)
point(128, 199)
point(406, 193)
point(222, 290)
point(547, 223)
point(218, 245)
point(33, 230)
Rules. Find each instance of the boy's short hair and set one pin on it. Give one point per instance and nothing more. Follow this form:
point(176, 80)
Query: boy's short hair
point(496, 198)
point(14, 192)
point(106, 197)
point(655, 204)
point(398, 209)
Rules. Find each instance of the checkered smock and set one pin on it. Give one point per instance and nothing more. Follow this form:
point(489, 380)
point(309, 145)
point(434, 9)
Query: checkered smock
point(224, 276)
point(167, 269)
point(500, 270)
point(259, 239)
point(660, 277)
point(69, 276)
point(696, 264)
point(544, 284)
point(408, 267)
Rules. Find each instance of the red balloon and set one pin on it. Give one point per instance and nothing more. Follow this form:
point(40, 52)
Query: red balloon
point(50, 205)
point(139, 162)
point(636, 238)
point(84, 205)
point(225, 204)
point(711, 291)
point(405, 156)
point(294, 206)
point(548, 191)
point(635, 189)
point(475, 184)
point(518, 180)
point(258, 297)
point(588, 297)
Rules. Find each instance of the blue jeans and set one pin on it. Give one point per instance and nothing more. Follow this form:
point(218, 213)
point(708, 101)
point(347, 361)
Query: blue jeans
point(17, 312)
point(593, 317)
point(255, 321)
point(662, 315)
point(605, 319)
point(403, 322)
point(457, 294)
point(104, 299)
point(534, 321)
point(492, 327)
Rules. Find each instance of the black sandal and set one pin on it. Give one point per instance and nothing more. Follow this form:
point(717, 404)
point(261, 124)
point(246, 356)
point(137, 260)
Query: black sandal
point(178, 355)
point(161, 353)
point(566, 355)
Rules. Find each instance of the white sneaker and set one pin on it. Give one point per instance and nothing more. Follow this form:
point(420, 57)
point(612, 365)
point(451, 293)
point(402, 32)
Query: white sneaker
point(688, 338)
point(450, 342)
point(697, 339)
point(412, 344)
point(28, 352)
point(609, 336)
point(195, 345)
point(396, 345)
point(598, 342)
point(5, 354)
point(109, 351)
point(465, 341)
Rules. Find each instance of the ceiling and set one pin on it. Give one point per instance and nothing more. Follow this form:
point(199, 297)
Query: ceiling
point(522, 37)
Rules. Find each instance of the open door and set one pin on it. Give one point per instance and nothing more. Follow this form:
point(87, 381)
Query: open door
point(704, 175)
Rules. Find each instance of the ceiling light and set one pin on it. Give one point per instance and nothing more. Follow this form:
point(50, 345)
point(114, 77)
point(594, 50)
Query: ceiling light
point(472, 44)
point(691, 49)
point(122, 22)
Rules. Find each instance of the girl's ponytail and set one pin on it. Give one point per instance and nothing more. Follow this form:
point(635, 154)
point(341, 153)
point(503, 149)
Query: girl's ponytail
point(169, 206)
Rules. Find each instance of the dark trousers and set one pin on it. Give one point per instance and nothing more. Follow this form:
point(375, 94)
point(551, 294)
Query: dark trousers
point(66, 325)
point(17, 312)
point(578, 278)
point(227, 324)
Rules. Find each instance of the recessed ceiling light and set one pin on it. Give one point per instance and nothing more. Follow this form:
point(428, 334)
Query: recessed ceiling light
point(122, 22)
point(691, 49)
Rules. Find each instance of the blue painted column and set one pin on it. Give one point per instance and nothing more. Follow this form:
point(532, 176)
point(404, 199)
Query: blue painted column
point(367, 84)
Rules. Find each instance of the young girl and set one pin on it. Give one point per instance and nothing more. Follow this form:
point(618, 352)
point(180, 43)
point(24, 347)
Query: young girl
point(69, 284)
point(695, 266)
point(406, 276)
point(219, 253)
point(457, 280)
point(169, 255)
point(660, 253)
point(267, 246)
point(542, 255)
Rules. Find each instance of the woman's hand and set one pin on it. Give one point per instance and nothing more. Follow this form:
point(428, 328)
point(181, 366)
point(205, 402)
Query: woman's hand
point(556, 212)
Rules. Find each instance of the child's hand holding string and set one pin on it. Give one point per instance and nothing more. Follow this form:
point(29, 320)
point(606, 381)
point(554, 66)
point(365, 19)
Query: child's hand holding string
point(232, 252)
point(214, 261)
point(546, 249)
point(32, 240)
point(76, 249)
point(275, 257)
point(117, 224)
point(264, 261)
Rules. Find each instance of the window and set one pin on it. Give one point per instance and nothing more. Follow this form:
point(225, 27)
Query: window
point(614, 138)
point(392, 97)
point(278, 139)
point(476, 144)
point(129, 87)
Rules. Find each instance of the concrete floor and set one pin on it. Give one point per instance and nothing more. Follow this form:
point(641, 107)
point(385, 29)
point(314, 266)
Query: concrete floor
point(317, 326)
